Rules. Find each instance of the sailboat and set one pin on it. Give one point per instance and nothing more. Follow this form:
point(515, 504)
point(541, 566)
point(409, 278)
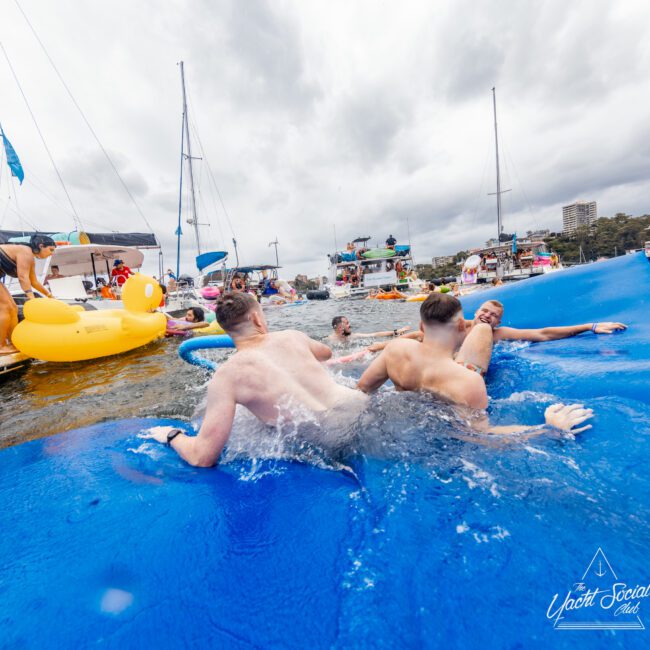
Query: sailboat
point(508, 257)
point(203, 260)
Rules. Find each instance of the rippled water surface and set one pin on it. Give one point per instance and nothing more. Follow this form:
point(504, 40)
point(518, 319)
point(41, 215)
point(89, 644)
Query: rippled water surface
point(152, 381)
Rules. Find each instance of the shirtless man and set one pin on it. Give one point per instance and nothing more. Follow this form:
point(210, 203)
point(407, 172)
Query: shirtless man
point(343, 331)
point(433, 366)
point(274, 375)
point(491, 313)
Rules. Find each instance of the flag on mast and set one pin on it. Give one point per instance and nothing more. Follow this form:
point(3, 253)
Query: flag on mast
point(12, 159)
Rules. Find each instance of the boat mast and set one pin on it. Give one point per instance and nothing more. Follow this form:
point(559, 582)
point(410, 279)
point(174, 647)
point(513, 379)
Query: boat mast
point(193, 221)
point(496, 142)
point(179, 230)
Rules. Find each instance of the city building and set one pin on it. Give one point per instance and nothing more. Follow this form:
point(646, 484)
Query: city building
point(442, 261)
point(580, 213)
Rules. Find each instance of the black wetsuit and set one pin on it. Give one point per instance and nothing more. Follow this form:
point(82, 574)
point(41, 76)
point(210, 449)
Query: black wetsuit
point(7, 265)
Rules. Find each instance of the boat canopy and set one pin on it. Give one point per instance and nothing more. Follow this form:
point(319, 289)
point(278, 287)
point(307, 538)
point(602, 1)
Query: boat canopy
point(78, 260)
point(250, 269)
point(139, 239)
point(360, 240)
point(208, 259)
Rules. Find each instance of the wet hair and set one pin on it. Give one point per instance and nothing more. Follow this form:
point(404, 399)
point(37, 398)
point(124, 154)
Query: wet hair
point(199, 314)
point(336, 321)
point(496, 303)
point(439, 309)
point(36, 242)
point(232, 308)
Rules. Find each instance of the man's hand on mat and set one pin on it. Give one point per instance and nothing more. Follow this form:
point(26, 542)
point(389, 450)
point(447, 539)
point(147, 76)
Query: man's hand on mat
point(565, 417)
point(157, 433)
point(609, 328)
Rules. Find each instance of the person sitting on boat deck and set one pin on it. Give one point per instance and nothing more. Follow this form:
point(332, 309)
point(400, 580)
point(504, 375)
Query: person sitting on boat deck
point(17, 261)
point(53, 275)
point(120, 273)
point(277, 376)
point(445, 364)
point(390, 242)
point(194, 319)
point(343, 331)
point(491, 313)
point(105, 290)
point(237, 283)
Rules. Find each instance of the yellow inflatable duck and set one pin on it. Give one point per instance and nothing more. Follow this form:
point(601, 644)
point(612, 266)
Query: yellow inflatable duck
point(55, 331)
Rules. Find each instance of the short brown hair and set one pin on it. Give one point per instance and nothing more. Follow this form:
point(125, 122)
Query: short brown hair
point(439, 309)
point(232, 308)
point(496, 303)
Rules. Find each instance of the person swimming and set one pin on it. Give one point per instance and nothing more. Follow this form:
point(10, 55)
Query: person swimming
point(343, 331)
point(434, 366)
point(278, 376)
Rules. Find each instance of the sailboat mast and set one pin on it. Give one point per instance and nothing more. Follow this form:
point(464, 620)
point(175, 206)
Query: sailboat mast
point(179, 230)
point(193, 221)
point(496, 142)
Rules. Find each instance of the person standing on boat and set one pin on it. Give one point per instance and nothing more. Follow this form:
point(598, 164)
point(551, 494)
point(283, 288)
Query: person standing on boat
point(120, 273)
point(17, 261)
point(390, 242)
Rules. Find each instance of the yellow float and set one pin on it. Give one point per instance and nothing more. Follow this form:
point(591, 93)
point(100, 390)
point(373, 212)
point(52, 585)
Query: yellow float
point(419, 297)
point(55, 331)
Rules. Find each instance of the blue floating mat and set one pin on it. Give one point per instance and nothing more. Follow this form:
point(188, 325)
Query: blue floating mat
point(111, 541)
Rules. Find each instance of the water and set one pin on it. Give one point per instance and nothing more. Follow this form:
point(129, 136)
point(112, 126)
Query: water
point(416, 535)
point(152, 381)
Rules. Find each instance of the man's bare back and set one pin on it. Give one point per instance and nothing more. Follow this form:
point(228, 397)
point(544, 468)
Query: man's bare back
point(414, 366)
point(278, 377)
point(283, 366)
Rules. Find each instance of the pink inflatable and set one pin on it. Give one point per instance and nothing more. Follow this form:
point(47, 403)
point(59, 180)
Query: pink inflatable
point(210, 293)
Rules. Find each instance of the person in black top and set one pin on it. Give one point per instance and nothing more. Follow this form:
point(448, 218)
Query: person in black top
point(17, 261)
point(390, 242)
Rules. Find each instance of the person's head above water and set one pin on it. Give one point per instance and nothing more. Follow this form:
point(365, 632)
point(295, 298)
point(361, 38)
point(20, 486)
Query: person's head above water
point(240, 314)
point(195, 315)
point(42, 245)
point(341, 326)
point(441, 316)
point(490, 312)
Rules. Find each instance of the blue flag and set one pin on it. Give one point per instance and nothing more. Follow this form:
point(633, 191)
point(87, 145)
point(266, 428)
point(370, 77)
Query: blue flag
point(12, 159)
point(514, 243)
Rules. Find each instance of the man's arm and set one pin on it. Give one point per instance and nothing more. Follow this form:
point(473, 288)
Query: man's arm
point(203, 450)
point(374, 375)
point(378, 335)
point(557, 416)
point(376, 347)
point(321, 351)
point(554, 333)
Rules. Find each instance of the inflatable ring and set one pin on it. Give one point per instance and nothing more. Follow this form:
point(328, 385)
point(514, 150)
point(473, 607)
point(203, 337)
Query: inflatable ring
point(210, 293)
point(187, 350)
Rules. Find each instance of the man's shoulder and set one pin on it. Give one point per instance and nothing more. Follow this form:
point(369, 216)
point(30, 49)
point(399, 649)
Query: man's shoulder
point(402, 347)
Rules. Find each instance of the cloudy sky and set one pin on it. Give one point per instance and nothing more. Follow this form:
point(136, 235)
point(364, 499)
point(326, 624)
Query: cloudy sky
point(315, 117)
